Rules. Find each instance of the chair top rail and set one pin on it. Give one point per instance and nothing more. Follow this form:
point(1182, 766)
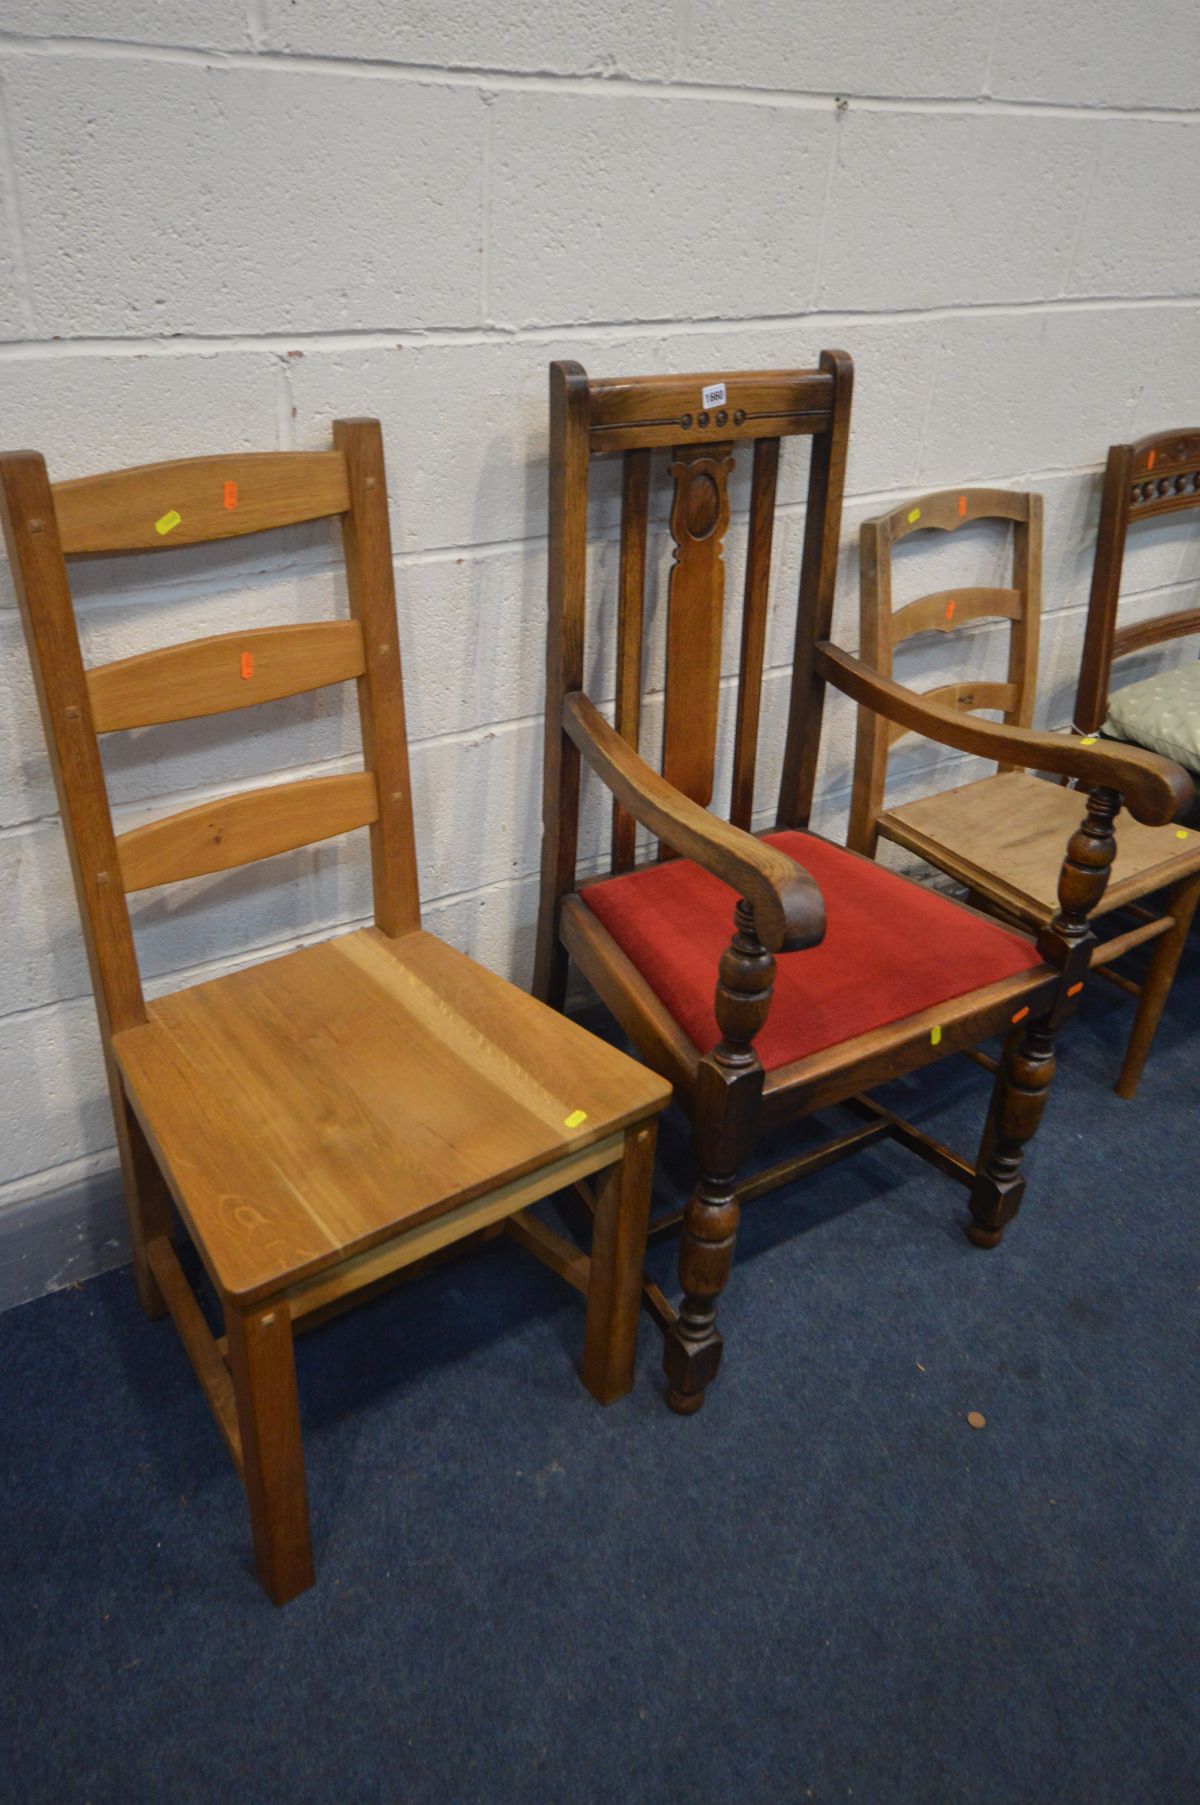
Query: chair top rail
point(189, 501)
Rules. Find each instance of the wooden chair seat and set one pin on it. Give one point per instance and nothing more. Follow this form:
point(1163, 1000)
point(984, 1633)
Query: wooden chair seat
point(1003, 837)
point(361, 1102)
point(891, 949)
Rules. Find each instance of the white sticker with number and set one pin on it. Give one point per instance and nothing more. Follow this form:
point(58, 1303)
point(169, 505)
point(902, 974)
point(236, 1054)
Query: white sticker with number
point(713, 395)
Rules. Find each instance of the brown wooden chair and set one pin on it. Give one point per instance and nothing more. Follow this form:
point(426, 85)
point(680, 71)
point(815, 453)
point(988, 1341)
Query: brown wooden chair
point(325, 1119)
point(1154, 476)
point(1003, 836)
point(875, 975)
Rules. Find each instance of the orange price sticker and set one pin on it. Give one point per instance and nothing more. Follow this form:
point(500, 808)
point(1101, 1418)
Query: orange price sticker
point(950, 607)
point(1150, 460)
point(1075, 989)
point(1021, 1014)
point(962, 507)
point(231, 495)
point(247, 664)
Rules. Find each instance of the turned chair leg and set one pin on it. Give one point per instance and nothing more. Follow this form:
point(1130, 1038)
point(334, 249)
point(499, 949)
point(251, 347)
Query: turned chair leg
point(728, 1091)
point(614, 1297)
point(263, 1367)
point(693, 1347)
point(1022, 1083)
point(1027, 1068)
point(1181, 906)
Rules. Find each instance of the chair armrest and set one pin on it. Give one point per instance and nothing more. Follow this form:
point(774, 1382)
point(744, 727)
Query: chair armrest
point(1153, 789)
point(789, 911)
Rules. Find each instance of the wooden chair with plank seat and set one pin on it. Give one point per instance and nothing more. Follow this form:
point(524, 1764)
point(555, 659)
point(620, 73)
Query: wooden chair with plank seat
point(1002, 836)
point(328, 1119)
point(1154, 476)
point(839, 974)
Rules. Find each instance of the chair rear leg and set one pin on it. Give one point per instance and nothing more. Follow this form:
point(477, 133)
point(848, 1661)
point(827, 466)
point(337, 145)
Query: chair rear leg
point(147, 1200)
point(618, 1257)
point(1018, 1099)
point(263, 1366)
point(1164, 962)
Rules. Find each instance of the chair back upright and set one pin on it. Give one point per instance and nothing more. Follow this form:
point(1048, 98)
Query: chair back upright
point(152, 509)
point(882, 629)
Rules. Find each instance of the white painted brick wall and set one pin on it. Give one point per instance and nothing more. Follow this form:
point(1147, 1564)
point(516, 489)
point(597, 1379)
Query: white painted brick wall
point(221, 226)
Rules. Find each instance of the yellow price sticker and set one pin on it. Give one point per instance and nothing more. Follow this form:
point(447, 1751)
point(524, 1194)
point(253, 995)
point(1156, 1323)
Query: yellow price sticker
point(169, 521)
point(576, 1119)
point(1089, 739)
point(914, 514)
point(935, 1035)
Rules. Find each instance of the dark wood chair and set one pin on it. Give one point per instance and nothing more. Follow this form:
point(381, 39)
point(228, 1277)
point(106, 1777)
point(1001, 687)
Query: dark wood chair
point(1154, 476)
point(1003, 836)
point(839, 974)
point(326, 1120)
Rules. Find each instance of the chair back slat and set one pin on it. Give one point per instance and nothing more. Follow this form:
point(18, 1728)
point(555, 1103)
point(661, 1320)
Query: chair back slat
point(631, 608)
point(240, 829)
point(695, 615)
point(1159, 474)
point(193, 500)
point(227, 671)
point(968, 698)
point(1139, 635)
point(754, 628)
point(881, 630)
point(946, 610)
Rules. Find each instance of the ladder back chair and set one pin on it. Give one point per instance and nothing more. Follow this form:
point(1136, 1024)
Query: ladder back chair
point(1154, 476)
point(325, 1120)
point(839, 974)
point(1003, 836)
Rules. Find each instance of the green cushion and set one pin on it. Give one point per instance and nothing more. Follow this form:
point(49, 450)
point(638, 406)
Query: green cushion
point(1160, 713)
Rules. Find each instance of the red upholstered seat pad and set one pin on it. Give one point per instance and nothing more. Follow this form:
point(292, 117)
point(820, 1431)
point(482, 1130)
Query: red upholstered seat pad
point(891, 948)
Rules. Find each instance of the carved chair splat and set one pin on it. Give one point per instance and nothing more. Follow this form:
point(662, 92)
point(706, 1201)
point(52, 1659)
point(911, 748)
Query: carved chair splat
point(824, 988)
point(1002, 836)
point(330, 1120)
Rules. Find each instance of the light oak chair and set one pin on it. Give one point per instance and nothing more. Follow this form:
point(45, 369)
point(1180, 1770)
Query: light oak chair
point(325, 1120)
point(1003, 835)
point(839, 974)
point(1154, 476)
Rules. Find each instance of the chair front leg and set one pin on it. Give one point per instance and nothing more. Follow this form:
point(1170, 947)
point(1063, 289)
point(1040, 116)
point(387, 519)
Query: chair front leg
point(1022, 1083)
point(728, 1090)
point(1027, 1069)
point(263, 1369)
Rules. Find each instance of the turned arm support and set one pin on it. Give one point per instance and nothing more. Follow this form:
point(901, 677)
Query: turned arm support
point(789, 912)
point(1153, 789)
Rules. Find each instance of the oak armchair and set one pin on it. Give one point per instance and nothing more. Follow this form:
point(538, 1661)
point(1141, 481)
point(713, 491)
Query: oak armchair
point(1003, 835)
point(838, 974)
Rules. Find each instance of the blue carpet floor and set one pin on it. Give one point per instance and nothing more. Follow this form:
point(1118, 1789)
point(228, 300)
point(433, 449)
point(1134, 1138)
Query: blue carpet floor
point(825, 1587)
